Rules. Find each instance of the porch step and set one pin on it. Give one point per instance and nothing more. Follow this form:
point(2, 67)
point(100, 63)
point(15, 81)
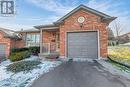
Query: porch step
point(53, 55)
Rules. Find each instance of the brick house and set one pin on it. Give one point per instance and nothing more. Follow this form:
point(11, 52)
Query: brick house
point(82, 33)
point(125, 38)
point(17, 39)
point(7, 41)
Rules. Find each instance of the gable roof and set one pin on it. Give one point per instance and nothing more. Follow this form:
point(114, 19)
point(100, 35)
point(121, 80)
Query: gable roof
point(105, 17)
point(9, 33)
point(28, 30)
point(48, 26)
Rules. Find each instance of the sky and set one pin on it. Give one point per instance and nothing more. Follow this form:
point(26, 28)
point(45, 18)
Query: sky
point(29, 13)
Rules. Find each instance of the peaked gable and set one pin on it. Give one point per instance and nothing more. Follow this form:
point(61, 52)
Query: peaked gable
point(105, 17)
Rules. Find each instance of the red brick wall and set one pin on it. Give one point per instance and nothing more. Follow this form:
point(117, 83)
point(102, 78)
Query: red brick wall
point(20, 44)
point(50, 37)
point(92, 22)
point(5, 41)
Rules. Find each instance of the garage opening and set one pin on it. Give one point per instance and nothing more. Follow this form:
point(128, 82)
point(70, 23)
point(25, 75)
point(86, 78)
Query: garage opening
point(82, 44)
point(2, 50)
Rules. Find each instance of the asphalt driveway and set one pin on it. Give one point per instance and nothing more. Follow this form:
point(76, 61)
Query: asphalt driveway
point(79, 74)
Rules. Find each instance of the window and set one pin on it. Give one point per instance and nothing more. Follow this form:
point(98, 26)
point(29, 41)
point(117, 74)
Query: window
point(33, 40)
point(37, 38)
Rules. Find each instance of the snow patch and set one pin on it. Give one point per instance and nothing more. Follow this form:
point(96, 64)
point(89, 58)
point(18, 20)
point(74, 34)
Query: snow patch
point(22, 79)
point(3, 73)
point(5, 63)
point(113, 69)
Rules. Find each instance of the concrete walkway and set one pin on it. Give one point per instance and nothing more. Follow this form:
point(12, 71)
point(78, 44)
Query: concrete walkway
point(79, 74)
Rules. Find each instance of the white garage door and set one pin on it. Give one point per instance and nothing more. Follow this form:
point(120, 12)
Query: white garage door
point(2, 50)
point(82, 45)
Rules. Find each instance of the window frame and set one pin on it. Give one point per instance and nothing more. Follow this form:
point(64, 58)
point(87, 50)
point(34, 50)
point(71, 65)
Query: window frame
point(31, 39)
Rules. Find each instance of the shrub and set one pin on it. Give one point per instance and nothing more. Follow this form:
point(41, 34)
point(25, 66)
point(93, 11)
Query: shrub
point(13, 50)
point(19, 55)
point(24, 66)
point(34, 50)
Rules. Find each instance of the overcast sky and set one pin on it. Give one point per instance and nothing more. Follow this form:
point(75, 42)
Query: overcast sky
point(36, 12)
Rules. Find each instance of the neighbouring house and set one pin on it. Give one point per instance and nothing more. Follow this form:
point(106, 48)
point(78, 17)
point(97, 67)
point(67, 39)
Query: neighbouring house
point(7, 41)
point(17, 39)
point(82, 33)
point(125, 38)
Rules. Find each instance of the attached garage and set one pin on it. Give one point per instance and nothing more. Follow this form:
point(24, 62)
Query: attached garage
point(82, 33)
point(2, 50)
point(82, 44)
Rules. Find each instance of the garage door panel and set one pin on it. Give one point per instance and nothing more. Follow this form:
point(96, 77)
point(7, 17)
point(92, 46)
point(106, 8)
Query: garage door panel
point(2, 50)
point(82, 45)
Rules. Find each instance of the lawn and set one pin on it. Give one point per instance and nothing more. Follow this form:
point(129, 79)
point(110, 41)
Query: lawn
point(120, 54)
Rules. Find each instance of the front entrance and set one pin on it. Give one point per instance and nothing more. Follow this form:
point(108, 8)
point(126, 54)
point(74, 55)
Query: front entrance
point(82, 44)
point(50, 42)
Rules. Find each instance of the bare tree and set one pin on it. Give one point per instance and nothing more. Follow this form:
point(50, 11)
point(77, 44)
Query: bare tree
point(110, 34)
point(118, 27)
